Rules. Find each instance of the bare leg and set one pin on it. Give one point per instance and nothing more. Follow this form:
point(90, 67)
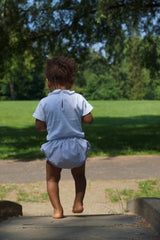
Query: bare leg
point(80, 188)
point(53, 177)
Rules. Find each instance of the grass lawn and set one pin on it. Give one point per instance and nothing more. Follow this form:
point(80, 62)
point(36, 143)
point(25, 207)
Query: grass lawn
point(119, 128)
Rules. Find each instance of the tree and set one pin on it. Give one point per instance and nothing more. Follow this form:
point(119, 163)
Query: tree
point(17, 54)
point(150, 59)
point(70, 27)
point(120, 18)
point(98, 83)
point(23, 78)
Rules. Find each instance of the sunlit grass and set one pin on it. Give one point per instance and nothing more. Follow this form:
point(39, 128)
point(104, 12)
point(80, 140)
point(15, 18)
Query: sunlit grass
point(119, 128)
point(146, 188)
point(32, 192)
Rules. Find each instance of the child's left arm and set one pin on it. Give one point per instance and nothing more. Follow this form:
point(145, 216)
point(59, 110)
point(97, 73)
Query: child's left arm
point(40, 126)
point(87, 119)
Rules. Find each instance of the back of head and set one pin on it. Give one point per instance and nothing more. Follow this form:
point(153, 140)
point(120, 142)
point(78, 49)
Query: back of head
point(60, 70)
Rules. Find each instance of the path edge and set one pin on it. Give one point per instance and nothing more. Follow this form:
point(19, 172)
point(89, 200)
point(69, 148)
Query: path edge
point(147, 208)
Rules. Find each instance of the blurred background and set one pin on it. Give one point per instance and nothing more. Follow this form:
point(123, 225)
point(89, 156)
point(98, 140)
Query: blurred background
point(116, 45)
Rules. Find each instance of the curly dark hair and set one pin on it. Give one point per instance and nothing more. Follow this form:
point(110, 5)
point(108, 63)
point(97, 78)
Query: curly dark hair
point(60, 70)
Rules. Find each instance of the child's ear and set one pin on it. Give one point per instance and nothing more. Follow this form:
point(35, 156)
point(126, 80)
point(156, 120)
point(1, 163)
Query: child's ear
point(48, 83)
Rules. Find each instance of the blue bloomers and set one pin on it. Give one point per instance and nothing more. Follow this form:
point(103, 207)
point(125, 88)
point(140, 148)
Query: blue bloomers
point(66, 152)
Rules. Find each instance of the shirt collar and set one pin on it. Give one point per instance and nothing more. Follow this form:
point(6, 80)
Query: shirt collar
point(57, 91)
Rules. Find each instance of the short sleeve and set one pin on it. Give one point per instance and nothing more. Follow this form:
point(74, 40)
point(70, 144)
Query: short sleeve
point(39, 113)
point(86, 107)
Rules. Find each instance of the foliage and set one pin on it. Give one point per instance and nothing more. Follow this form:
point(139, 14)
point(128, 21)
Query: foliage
point(33, 30)
point(157, 93)
point(98, 84)
point(22, 77)
point(147, 188)
point(127, 76)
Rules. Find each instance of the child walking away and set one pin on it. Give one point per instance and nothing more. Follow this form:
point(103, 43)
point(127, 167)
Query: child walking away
point(61, 114)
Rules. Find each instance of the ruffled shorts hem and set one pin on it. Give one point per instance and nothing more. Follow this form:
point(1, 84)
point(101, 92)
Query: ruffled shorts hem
point(66, 153)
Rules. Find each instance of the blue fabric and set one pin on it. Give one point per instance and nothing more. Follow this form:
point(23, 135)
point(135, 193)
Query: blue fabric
point(62, 110)
point(66, 153)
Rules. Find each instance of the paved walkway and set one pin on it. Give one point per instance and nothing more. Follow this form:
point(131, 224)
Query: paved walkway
point(96, 227)
point(103, 168)
point(86, 227)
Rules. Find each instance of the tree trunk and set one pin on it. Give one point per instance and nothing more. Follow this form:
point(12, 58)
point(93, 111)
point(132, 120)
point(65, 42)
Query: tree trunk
point(11, 85)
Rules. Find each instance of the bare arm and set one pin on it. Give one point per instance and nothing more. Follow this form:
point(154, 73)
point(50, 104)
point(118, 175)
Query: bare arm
point(40, 126)
point(87, 119)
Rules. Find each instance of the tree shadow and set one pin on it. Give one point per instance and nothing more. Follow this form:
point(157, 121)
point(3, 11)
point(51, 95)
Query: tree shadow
point(108, 136)
point(21, 143)
point(124, 136)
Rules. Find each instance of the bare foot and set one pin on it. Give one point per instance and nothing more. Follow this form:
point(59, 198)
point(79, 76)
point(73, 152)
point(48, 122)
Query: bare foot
point(77, 208)
point(58, 214)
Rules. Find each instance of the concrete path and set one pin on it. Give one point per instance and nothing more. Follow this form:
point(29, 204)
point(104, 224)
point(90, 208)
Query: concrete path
point(86, 227)
point(103, 168)
point(96, 227)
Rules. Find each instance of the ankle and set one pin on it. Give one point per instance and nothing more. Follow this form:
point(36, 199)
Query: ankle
point(58, 213)
point(77, 207)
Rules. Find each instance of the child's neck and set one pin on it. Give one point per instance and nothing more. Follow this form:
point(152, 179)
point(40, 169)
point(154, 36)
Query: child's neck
point(52, 88)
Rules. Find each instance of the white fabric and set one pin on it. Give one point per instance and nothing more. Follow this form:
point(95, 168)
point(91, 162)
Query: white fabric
point(66, 153)
point(62, 111)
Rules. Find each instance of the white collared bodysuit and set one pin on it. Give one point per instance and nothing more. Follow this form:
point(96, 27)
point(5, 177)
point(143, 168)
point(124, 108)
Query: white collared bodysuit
point(62, 111)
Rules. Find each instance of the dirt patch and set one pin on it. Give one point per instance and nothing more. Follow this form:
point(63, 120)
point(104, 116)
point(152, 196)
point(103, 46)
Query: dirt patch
point(96, 199)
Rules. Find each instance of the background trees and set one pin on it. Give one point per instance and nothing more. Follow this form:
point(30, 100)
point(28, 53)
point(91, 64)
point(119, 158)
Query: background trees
point(130, 76)
point(128, 32)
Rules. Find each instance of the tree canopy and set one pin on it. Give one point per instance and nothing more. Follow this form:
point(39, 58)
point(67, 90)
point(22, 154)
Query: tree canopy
point(72, 25)
point(35, 29)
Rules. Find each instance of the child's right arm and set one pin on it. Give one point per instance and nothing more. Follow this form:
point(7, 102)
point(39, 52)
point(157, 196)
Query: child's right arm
point(87, 119)
point(40, 126)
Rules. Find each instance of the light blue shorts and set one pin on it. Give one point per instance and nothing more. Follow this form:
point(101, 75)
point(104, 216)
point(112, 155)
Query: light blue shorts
point(66, 152)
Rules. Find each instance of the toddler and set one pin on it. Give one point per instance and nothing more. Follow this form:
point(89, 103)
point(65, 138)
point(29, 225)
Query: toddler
point(61, 114)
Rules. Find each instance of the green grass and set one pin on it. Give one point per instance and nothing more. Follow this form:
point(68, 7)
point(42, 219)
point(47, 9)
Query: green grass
point(32, 192)
point(24, 196)
point(4, 190)
point(119, 128)
point(147, 188)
